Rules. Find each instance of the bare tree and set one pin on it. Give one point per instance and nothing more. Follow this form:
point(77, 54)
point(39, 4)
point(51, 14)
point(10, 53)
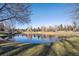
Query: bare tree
point(75, 14)
point(15, 12)
point(74, 26)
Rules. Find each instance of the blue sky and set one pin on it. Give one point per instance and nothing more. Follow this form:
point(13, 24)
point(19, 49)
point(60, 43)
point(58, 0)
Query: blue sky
point(50, 14)
point(45, 14)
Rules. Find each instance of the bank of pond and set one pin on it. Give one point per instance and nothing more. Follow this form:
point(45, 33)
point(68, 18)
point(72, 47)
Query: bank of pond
point(58, 47)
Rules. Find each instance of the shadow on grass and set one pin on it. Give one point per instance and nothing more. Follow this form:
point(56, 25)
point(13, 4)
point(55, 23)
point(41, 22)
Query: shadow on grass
point(46, 50)
point(12, 50)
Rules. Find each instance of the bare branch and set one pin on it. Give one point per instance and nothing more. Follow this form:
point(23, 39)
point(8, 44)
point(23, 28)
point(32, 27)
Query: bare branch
point(7, 18)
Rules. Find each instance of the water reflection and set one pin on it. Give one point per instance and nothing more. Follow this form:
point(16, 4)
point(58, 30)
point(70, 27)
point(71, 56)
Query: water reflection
point(36, 38)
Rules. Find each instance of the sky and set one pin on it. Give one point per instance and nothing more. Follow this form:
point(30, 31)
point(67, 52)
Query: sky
point(50, 14)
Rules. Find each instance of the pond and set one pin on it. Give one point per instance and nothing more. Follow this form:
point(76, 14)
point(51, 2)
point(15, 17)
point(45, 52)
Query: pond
point(35, 38)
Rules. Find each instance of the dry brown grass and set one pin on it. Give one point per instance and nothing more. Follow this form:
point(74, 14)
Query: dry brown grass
point(59, 33)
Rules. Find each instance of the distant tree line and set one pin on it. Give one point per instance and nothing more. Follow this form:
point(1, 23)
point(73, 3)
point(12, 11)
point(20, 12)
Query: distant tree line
point(55, 28)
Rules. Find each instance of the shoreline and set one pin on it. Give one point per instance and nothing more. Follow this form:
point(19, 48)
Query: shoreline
point(59, 33)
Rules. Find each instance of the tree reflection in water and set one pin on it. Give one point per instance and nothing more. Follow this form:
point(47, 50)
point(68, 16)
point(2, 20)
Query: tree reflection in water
point(37, 38)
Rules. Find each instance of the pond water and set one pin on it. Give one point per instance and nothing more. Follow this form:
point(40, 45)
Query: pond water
point(35, 38)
